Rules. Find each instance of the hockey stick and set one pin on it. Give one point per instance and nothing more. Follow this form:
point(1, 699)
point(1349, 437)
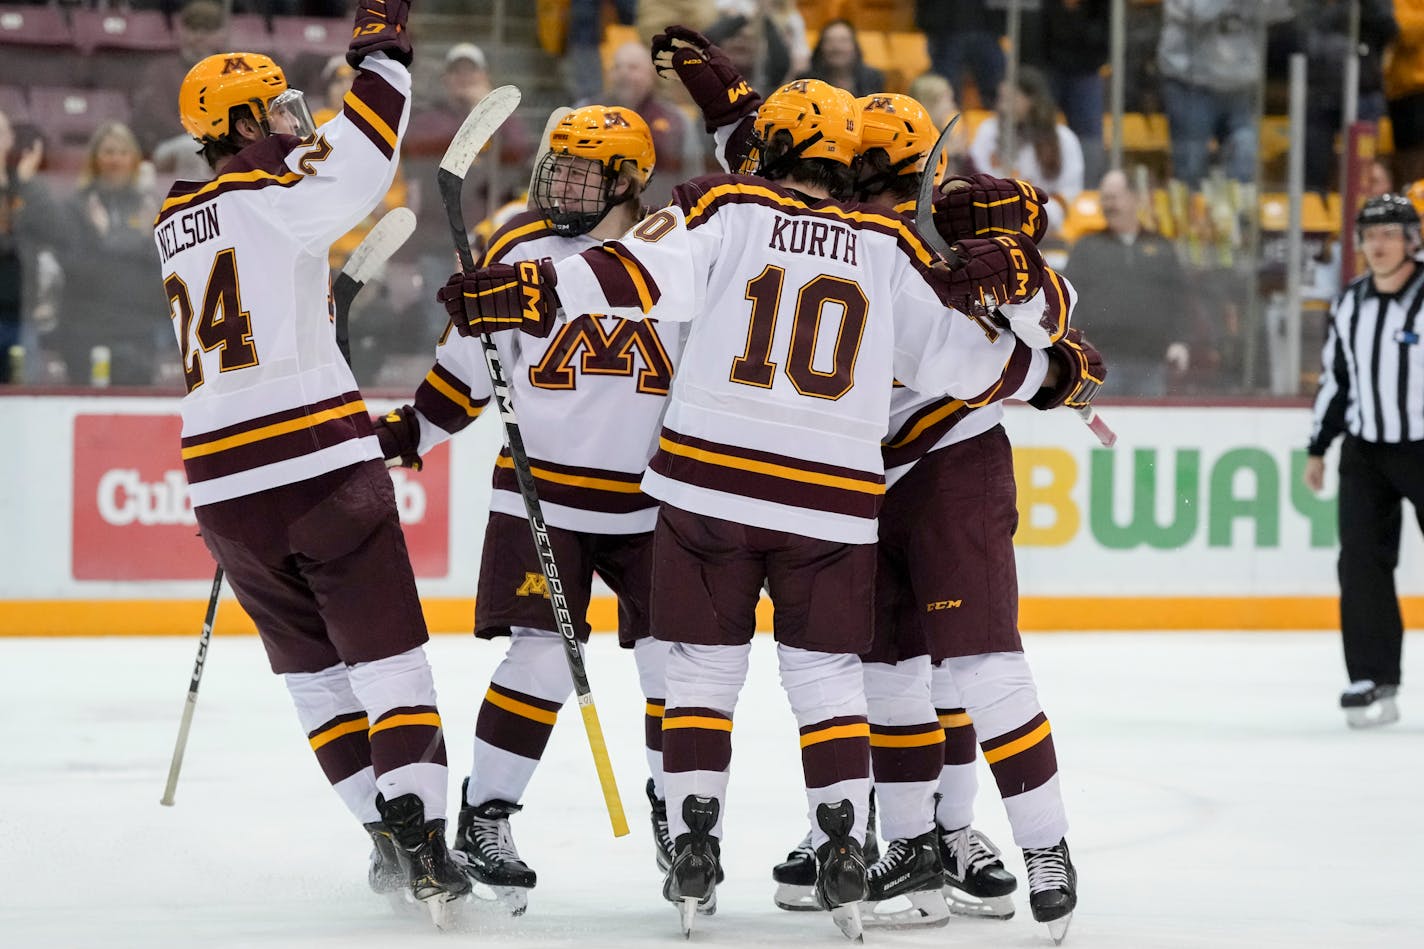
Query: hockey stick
point(924, 224)
point(383, 240)
point(375, 249)
point(482, 122)
point(192, 701)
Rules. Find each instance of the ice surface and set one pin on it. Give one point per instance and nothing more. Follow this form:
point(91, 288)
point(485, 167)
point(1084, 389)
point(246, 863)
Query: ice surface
point(1215, 794)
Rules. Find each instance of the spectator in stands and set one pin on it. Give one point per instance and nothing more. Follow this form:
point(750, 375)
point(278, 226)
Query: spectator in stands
point(837, 59)
point(23, 202)
point(1320, 30)
point(1068, 40)
point(1209, 58)
point(963, 37)
point(936, 94)
point(583, 66)
point(106, 248)
point(654, 15)
point(1046, 152)
point(755, 45)
point(1123, 275)
point(201, 29)
point(1404, 90)
point(791, 25)
point(632, 83)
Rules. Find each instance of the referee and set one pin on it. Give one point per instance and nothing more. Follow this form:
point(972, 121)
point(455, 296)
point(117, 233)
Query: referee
point(1372, 391)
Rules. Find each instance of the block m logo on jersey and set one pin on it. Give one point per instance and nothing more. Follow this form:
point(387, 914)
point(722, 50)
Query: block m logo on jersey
point(605, 352)
point(535, 584)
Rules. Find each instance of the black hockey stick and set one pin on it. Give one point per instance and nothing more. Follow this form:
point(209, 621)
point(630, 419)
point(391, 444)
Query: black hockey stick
point(479, 126)
point(374, 250)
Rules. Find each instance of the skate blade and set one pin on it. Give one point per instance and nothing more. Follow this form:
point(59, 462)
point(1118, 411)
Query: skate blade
point(1058, 928)
point(687, 911)
point(848, 921)
point(1383, 712)
point(796, 899)
point(989, 907)
point(512, 899)
point(918, 910)
point(444, 913)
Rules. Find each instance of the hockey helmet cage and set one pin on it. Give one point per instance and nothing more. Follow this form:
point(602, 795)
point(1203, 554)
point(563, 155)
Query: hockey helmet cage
point(822, 120)
point(220, 83)
point(606, 141)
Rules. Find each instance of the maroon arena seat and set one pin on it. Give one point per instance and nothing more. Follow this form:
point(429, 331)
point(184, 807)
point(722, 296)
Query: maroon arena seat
point(137, 30)
point(69, 115)
point(36, 45)
point(248, 33)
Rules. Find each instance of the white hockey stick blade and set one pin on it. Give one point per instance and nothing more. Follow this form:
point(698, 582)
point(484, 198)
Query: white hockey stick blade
point(380, 243)
point(555, 118)
point(477, 129)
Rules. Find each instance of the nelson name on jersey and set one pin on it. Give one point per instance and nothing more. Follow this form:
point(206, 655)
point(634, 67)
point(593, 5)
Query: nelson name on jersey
point(187, 230)
point(817, 238)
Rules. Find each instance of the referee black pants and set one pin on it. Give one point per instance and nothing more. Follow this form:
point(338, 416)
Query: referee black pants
point(1375, 478)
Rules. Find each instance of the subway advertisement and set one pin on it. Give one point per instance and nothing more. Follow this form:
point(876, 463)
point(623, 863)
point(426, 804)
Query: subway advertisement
point(1196, 519)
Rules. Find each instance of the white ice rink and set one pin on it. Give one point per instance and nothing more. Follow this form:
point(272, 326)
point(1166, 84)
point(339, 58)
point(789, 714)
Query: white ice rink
point(1215, 794)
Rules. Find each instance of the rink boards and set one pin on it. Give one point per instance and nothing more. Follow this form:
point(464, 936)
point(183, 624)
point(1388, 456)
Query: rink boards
point(1196, 520)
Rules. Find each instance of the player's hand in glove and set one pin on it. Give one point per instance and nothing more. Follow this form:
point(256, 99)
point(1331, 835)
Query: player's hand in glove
point(380, 28)
point(399, 435)
point(503, 297)
point(985, 206)
point(719, 90)
point(1080, 372)
point(992, 272)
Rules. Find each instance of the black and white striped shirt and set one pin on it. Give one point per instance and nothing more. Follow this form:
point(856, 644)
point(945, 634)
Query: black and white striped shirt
point(1372, 377)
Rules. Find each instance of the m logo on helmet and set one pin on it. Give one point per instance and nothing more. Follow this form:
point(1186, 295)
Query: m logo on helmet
point(880, 104)
point(232, 64)
point(615, 120)
point(798, 86)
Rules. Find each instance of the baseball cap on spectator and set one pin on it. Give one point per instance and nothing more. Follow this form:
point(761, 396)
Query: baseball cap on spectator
point(466, 51)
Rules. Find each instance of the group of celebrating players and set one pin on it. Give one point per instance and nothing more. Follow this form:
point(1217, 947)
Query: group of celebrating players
point(773, 383)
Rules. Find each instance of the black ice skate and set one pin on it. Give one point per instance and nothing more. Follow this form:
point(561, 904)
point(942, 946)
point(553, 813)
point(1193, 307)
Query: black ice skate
point(840, 869)
point(1367, 705)
point(484, 845)
point(662, 840)
point(432, 877)
point(796, 875)
point(384, 874)
point(691, 881)
point(1052, 887)
point(975, 881)
point(903, 887)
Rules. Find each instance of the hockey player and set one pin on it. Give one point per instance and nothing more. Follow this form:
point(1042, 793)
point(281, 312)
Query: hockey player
point(283, 468)
point(768, 466)
point(590, 401)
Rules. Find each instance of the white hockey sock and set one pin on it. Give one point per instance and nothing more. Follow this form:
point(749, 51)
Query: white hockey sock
point(906, 745)
point(651, 656)
point(827, 695)
point(1017, 742)
point(703, 683)
point(407, 743)
point(517, 715)
point(959, 777)
point(336, 726)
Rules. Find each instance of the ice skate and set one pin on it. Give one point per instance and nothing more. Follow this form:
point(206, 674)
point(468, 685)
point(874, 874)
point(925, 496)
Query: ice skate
point(662, 840)
point(840, 869)
point(691, 882)
point(975, 881)
point(1052, 887)
point(903, 886)
point(796, 875)
point(431, 876)
point(384, 873)
point(1367, 705)
point(489, 858)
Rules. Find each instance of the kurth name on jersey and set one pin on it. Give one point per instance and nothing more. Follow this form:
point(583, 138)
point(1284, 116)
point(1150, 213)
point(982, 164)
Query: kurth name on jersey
point(801, 236)
point(188, 230)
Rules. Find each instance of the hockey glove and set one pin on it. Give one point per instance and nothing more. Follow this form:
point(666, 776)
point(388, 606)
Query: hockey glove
point(1081, 371)
point(993, 272)
point(399, 435)
point(503, 297)
point(711, 80)
point(985, 206)
point(380, 28)
point(1041, 320)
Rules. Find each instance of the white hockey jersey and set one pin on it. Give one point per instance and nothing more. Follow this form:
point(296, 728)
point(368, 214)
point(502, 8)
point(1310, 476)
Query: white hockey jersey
point(801, 312)
point(270, 400)
point(590, 400)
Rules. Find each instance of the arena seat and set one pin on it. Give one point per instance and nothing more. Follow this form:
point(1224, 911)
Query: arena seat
point(15, 104)
point(297, 35)
point(70, 115)
point(36, 45)
point(910, 52)
point(248, 33)
point(135, 30)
